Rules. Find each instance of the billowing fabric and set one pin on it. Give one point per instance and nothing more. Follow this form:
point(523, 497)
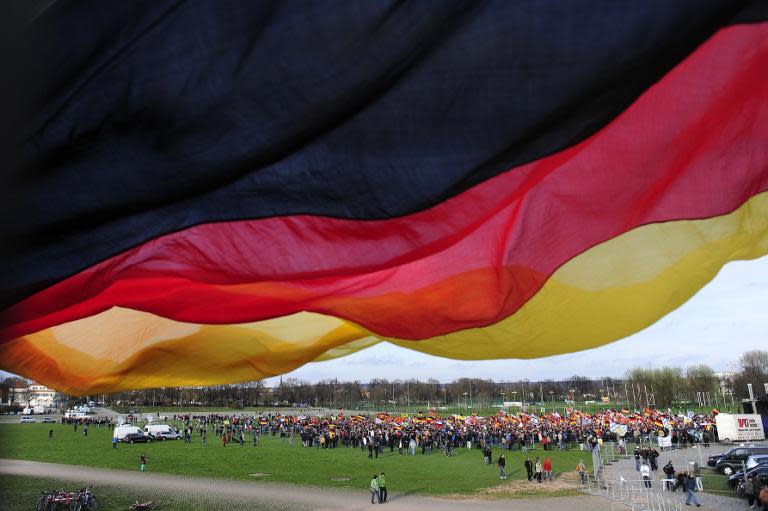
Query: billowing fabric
point(270, 196)
point(609, 291)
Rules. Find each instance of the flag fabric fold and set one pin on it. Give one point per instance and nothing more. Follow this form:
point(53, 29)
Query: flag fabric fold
point(459, 200)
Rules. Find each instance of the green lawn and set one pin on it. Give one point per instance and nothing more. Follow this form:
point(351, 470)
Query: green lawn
point(20, 494)
point(435, 473)
point(716, 483)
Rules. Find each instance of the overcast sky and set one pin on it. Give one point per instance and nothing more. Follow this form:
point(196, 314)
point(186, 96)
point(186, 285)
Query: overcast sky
point(726, 318)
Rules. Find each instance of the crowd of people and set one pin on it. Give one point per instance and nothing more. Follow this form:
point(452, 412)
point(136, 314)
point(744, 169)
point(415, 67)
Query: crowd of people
point(426, 433)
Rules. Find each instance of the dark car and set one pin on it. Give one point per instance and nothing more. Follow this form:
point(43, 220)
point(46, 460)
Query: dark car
point(135, 438)
point(760, 473)
point(737, 477)
point(712, 461)
point(732, 461)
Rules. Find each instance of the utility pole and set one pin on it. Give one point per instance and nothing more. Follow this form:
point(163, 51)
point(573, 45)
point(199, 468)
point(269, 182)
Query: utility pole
point(470, 393)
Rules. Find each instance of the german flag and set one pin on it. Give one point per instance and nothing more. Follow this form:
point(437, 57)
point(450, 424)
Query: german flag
point(200, 193)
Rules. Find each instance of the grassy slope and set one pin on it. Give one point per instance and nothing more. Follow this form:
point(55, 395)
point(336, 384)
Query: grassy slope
point(20, 494)
point(463, 473)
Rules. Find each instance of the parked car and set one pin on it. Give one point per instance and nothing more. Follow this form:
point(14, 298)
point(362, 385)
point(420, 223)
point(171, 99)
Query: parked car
point(26, 418)
point(762, 476)
point(737, 477)
point(162, 432)
point(712, 461)
point(136, 438)
point(168, 435)
point(755, 460)
point(732, 461)
point(48, 420)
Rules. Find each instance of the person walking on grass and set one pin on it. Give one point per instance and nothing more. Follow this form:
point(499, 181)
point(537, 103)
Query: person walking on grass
point(538, 469)
point(114, 442)
point(375, 489)
point(143, 461)
point(502, 463)
point(548, 469)
point(382, 488)
point(529, 467)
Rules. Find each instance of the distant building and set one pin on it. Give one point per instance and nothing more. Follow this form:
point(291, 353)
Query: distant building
point(34, 395)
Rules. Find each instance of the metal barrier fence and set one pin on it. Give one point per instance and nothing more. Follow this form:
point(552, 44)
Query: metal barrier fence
point(630, 493)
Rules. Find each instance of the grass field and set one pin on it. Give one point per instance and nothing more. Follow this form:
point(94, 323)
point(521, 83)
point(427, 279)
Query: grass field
point(20, 494)
point(274, 460)
point(717, 484)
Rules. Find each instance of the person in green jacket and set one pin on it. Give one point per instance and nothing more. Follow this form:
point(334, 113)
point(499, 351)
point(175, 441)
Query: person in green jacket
point(382, 488)
point(375, 489)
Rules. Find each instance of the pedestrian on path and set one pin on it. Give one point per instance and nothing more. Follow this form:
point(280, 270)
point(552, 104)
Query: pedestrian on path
point(382, 488)
point(143, 460)
point(690, 485)
point(375, 489)
point(645, 473)
point(581, 468)
point(529, 467)
point(538, 467)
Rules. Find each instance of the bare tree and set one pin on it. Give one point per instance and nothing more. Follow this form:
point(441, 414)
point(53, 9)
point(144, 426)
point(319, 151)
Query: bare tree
point(754, 370)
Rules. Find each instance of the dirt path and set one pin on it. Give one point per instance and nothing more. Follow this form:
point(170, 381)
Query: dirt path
point(289, 497)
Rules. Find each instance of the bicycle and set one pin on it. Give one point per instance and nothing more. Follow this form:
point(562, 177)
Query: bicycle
point(54, 500)
point(143, 506)
point(85, 500)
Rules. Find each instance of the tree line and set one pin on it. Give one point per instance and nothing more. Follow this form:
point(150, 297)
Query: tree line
point(640, 387)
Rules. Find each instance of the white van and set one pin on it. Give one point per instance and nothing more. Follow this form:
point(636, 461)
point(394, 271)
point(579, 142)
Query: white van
point(121, 431)
point(162, 432)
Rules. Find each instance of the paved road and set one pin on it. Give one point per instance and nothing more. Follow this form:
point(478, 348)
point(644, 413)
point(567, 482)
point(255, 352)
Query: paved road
point(680, 460)
point(280, 496)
